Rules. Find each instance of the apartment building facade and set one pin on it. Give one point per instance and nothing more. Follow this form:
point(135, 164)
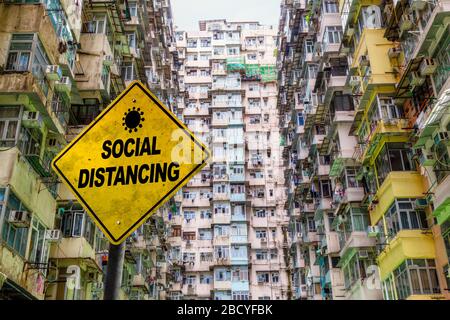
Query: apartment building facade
point(62, 62)
point(229, 237)
point(363, 102)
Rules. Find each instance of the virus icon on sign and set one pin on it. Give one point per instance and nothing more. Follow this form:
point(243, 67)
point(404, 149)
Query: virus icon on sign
point(132, 119)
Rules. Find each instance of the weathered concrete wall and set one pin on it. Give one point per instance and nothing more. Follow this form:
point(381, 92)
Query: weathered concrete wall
point(29, 18)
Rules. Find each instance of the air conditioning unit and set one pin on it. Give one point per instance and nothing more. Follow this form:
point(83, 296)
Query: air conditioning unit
point(19, 219)
point(363, 254)
point(373, 231)
point(418, 4)
point(53, 72)
point(421, 203)
point(350, 32)
point(64, 85)
point(354, 81)
point(53, 235)
point(364, 61)
point(31, 119)
point(427, 66)
point(53, 145)
point(108, 60)
point(394, 52)
point(415, 79)
point(406, 23)
point(442, 137)
point(427, 159)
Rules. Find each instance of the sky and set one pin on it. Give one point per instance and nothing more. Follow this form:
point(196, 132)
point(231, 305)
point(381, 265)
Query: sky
point(187, 13)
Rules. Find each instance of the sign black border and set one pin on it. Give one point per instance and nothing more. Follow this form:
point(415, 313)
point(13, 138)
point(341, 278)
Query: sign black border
point(165, 196)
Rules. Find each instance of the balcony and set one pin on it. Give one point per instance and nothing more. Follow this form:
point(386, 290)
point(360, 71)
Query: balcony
point(139, 282)
point(237, 197)
point(90, 75)
point(442, 201)
point(218, 71)
point(222, 285)
point(373, 43)
point(204, 290)
point(196, 202)
point(238, 239)
point(221, 219)
point(407, 244)
point(197, 79)
point(197, 63)
point(221, 240)
point(223, 196)
point(398, 184)
point(78, 249)
point(386, 127)
point(220, 122)
point(197, 111)
point(240, 286)
point(238, 218)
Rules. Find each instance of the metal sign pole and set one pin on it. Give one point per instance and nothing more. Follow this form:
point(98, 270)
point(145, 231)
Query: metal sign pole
point(114, 271)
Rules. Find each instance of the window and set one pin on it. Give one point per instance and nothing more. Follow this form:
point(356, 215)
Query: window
point(205, 278)
point(221, 230)
point(300, 119)
point(38, 246)
point(240, 274)
point(76, 224)
point(14, 237)
point(333, 34)
point(206, 256)
point(205, 42)
point(98, 24)
point(240, 295)
point(132, 6)
point(260, 233)
point(189, 215)
point(9, 125)
point(176, 231)
point(188, 236)
point(127, 71)
point(309, 45)
point(275, 277)
point(204, 234)
point(393, 157)
point(131, 39)
point(222, 275)
point(192, 43)
point(330, 6)
point(263, 277)
point(221, 252)
point(412, 277)
point(311, 224)
point(19, 56)
point(325, 188)
point(261, 254)
point(189, 257)
point(403, 215)
point(26, 48)
point(350, 176)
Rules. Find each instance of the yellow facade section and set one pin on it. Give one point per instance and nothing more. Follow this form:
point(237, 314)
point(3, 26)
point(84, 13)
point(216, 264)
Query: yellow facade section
point(398, 184)
point(426, 297)
point(376, 47)
point(407, 244)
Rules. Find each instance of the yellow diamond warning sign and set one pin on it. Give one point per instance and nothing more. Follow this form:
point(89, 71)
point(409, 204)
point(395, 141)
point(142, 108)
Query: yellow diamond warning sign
point(130, 160)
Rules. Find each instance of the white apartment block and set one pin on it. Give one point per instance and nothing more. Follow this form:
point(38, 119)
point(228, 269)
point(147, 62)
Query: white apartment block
point(229, 231)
